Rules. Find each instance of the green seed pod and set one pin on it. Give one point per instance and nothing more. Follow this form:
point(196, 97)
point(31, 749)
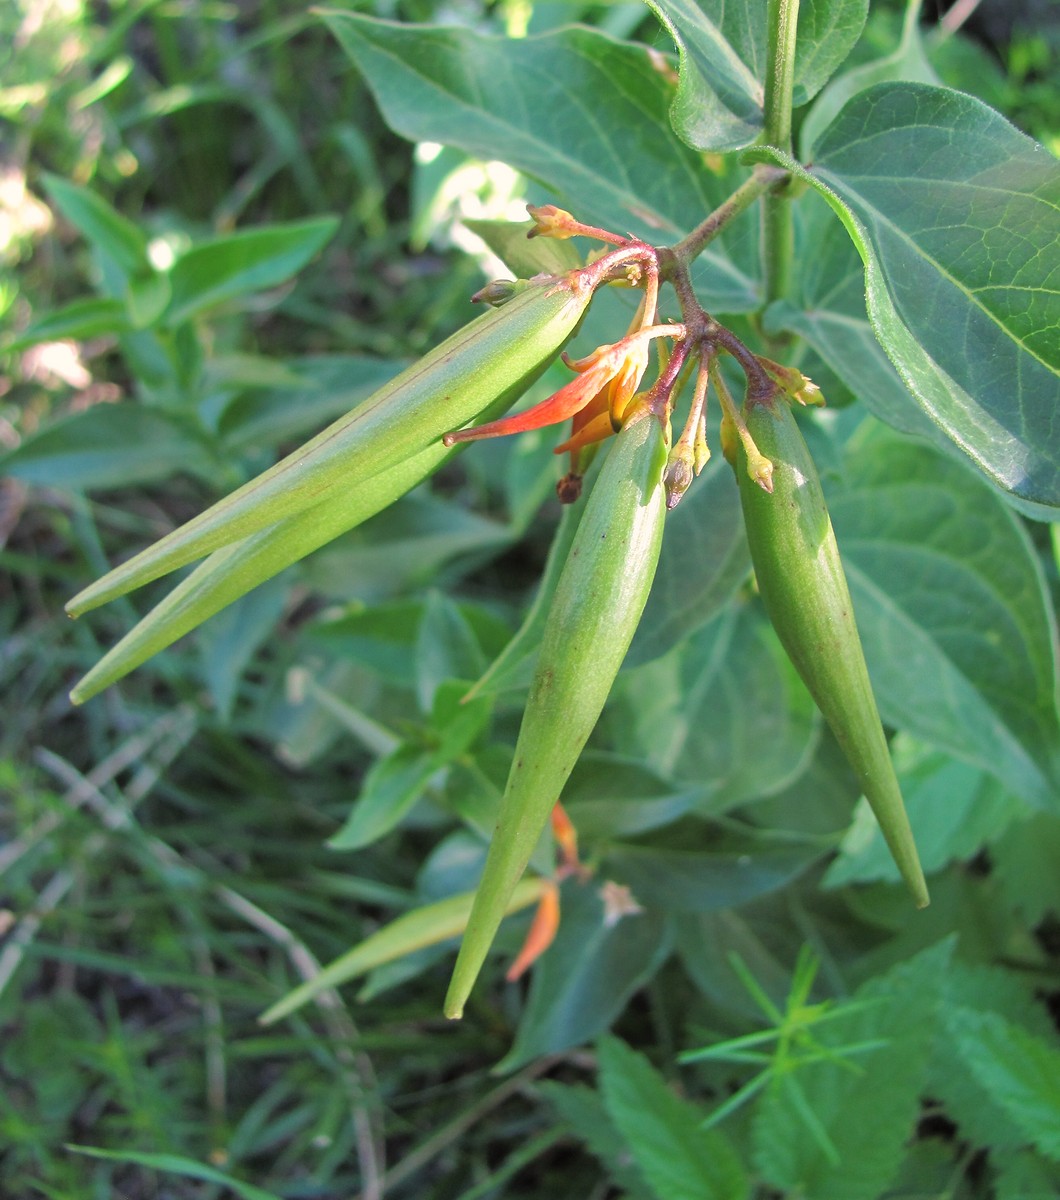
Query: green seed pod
point(231, 572)
point(595, 611)
point(496, 356)
point(804, 588)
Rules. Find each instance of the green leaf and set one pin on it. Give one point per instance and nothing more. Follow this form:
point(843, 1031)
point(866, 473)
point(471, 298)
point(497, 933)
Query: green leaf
point(217, 271)
point(1019, 1071)
point(607, 797)
point(302, 396)
point(390, 789)
point(954, 809)
point(732, 872)
point(106, 229)
point(949, 594)
point(828, 310)
point(907, 62)
point(581, 113)
point(977, 1110)
point(584, 1112)
point(176, 1164)
point(411, 931)
point(1025, 861)
point(953, 211)
point(724, 58)
point(723, 710)
point(679, 1159)
point(446, 648)
point(79, 320)
point(586, 977)
point(865, 1107)
point(108, 446)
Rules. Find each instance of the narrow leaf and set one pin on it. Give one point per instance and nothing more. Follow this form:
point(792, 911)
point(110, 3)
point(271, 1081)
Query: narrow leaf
point(422, 927)
point(251, 260)
point(176, 1164)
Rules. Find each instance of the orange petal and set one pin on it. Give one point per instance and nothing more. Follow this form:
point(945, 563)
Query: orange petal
point(541, 933)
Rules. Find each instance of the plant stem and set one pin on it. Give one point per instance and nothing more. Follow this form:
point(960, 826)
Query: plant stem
point(761, 180)
point(778, 244)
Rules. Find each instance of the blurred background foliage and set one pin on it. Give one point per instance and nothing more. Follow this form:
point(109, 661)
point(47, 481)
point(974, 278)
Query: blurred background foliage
point(165, 867)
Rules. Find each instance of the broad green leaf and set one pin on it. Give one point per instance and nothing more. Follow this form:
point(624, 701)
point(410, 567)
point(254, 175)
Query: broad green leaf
point(865, 1107)
point(691, 588)
point(607, 797)
point(581, 113)
point(79, 320)
point(724, 57)
point(679, 1159)
point(175, 1164)
point(954, 809)
point(723, 710)
point(1025, 1176)
point(1025, 861)
point(1019, 1071)
point(214, 272)
point(584, 1112)
point(729, 871)
point(398, 781)
point(105, 228)
point(976, 1109)
point(108, 446)
point(446, 648)
point(908, 62)
point(709, 942)
point(953, 211)
point(410, 544)
point(586, 977)
point(953, 611)
point(829, 312)
point(412, 931)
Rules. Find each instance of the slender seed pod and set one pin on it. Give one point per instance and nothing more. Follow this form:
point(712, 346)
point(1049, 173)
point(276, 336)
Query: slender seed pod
point(498, 355)
point(595, 611)
point(804, 588)
point(231, 572)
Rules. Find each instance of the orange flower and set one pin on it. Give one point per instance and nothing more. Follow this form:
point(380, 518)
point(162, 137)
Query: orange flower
point(613, 370)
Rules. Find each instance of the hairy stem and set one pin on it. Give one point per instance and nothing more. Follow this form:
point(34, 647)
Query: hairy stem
point(777, 230)
point(762, 179)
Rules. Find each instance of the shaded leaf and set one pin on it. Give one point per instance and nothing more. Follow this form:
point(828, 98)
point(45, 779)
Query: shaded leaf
point(586, 977)
point(108, 446)
point(581, 113)
point(724, 59)
point(176, 1164)
point(678, 1158)
point(954, 809)
point(1019, 1071)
